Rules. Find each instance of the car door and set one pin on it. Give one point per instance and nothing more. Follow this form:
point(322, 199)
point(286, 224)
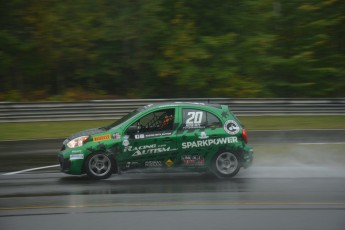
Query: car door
point(198, 136)
point(150, 141)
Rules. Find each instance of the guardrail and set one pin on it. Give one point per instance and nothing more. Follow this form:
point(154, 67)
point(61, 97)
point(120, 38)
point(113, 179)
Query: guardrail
point(114, 109)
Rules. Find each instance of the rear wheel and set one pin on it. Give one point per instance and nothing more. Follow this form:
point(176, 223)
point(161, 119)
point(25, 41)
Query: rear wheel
point(99, 166)
point(226, 164)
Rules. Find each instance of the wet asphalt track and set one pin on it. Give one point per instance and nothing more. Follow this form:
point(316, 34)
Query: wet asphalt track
point(299, 189)
point(253, 200)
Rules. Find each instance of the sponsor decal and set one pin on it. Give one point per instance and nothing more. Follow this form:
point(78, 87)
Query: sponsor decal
point(148, 135)
point(153, 164)
point(143, 147)
point(147, 149)
point(208, 142)
point(117, 136)
point(169, 163)
point(102, 138)
point(133, 164)
point(231, 127)
point(76, 156)
point(139, 136)
point(76, 151)
point(151, 151)
point(125, 141)
point(158, 134)
point(203, 135)
point(193, 160)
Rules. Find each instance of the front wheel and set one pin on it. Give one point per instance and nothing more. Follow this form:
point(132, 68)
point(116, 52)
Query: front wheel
point(226, 164)
point(99, 166)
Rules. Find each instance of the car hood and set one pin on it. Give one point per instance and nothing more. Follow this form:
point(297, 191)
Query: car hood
point(87, 132)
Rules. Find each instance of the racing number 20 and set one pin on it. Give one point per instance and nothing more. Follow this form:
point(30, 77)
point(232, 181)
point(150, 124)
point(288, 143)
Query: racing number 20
point(195, 118)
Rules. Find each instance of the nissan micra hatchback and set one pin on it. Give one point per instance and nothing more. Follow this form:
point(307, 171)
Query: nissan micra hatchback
point(193, 136)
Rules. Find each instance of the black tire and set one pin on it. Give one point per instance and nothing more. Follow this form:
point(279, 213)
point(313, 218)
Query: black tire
point(99, 166)
point(226, 165)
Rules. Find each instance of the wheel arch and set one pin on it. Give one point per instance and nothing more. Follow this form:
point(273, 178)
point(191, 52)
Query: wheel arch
point(229, 148)
point(109, 153)
point(235, 151)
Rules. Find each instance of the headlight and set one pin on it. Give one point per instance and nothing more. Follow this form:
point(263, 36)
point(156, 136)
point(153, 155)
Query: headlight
point(77, 142)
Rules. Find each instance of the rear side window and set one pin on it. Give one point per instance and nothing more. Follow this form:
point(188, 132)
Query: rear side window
point(213, 121)
point(199, 119)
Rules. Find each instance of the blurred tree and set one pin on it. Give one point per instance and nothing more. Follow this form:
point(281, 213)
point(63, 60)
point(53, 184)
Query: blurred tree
point(18, 66)
point(132, 30)
point(172, 48)
point(97, 44)
point(65, 35)
point(309, 49)
point(211, 50)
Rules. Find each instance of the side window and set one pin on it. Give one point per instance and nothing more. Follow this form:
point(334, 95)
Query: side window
point(199, 119)
point(213, 121)
point(162, 120)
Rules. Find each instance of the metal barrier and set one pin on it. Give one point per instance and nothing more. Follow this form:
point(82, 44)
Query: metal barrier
point(114, 109)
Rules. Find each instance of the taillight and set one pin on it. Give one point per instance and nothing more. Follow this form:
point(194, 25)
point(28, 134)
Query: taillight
point(245, 136)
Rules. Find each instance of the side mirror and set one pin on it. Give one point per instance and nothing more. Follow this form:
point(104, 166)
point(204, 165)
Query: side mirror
point(132, 129)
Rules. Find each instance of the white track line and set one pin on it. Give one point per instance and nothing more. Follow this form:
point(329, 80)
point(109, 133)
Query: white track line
point(32, 169)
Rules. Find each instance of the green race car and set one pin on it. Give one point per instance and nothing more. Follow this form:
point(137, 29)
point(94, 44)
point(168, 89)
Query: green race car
point(194, 136)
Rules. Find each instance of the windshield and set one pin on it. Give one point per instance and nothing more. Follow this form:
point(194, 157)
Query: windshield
point(121, 120)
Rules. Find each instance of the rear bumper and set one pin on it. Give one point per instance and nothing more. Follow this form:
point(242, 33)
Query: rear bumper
point(248, 156)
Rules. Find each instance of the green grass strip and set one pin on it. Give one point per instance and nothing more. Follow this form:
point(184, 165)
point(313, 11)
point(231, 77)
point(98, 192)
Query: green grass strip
point(293, 122)
point(62, 129)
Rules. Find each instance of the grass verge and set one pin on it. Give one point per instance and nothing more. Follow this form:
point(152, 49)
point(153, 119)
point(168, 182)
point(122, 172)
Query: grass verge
point(62, 129)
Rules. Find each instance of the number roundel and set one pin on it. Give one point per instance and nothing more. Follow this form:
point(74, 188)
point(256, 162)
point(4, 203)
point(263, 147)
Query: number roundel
point(195, 117)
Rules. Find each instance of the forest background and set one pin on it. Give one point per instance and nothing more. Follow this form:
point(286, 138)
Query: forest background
point(97, 49)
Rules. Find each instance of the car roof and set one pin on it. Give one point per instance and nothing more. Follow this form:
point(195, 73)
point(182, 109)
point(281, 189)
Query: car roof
point(174, 104)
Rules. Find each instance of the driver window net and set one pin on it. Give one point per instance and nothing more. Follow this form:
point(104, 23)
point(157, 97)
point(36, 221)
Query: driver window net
point(157, 121)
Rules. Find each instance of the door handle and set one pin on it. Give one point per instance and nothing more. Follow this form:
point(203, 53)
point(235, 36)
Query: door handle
point(167, 139)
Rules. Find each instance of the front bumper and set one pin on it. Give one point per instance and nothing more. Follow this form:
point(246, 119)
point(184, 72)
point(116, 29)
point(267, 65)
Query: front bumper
point(69, 165)
point(65, 164)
